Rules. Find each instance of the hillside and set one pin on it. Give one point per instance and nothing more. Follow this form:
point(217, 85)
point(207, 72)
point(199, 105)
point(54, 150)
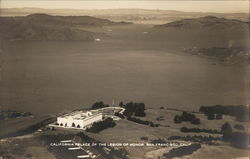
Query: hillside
point(207, 22)
point(213, 37)
point(11, 114)
point(234, 54)
point(47, 27)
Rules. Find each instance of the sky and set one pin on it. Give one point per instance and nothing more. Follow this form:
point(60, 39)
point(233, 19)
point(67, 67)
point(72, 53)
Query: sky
point(225, 6)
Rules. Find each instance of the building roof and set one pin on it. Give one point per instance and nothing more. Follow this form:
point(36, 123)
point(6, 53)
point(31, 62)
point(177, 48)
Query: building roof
point(79, 115)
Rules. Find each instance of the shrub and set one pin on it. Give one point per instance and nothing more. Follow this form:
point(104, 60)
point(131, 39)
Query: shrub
point(160, 118)
point(144, 138)
point(195, 121)
point(239, 127)
point(177, 119)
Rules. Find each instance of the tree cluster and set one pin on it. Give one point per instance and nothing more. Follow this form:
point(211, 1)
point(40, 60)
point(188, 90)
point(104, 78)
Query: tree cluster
point(211, 116)
point(195, 138)
point(198, 130)
point(187, 117)
point(137, 109)
point(182, 151)
point(98, 105)
point(144, 122)
point(239, 127)
point(237, 139)
point(240, 112)
point(99, 126)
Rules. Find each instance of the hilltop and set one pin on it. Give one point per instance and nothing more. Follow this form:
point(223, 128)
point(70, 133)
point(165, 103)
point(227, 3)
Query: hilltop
point(47, 27)
point(207, 22)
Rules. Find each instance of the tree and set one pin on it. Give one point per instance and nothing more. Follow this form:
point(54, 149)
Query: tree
point(177, 119)
point(127, 113)
point(195, 121)
point(139, 109)
point(210, 116)
point(121, 104)
point(73, 125)
point(227, 131)
point(226, 127)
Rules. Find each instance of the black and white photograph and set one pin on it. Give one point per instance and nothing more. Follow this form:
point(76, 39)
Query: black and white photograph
point(124, 79)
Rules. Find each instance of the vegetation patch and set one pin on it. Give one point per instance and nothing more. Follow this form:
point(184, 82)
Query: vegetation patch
point(182, 151)
point(137, 109)
point(187, 117)
point(198, 130)
point(144, 138)
point(99, 126)
point(98, 105)
point(195, 138)
point(239, 127)
point(236, 139)
point(240, 112)
point(144, 122)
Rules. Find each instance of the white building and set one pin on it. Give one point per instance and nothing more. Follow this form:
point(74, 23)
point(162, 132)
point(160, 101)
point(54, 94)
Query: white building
point(79, 119)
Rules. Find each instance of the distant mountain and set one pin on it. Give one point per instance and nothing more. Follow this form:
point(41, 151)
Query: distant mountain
point(47, 27)
point(70, 20)
point(141, 16)
point(208, 22)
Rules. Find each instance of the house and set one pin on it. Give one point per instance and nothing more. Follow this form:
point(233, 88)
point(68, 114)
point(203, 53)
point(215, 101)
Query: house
point(79, 119)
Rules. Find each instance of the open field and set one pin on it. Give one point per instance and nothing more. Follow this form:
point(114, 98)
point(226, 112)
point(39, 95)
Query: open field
point(129, 132)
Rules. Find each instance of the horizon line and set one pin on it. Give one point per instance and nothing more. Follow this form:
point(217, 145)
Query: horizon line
point(123, 8)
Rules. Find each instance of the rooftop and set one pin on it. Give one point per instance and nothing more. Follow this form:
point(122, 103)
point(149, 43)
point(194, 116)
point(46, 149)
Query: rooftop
point(78, 115)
